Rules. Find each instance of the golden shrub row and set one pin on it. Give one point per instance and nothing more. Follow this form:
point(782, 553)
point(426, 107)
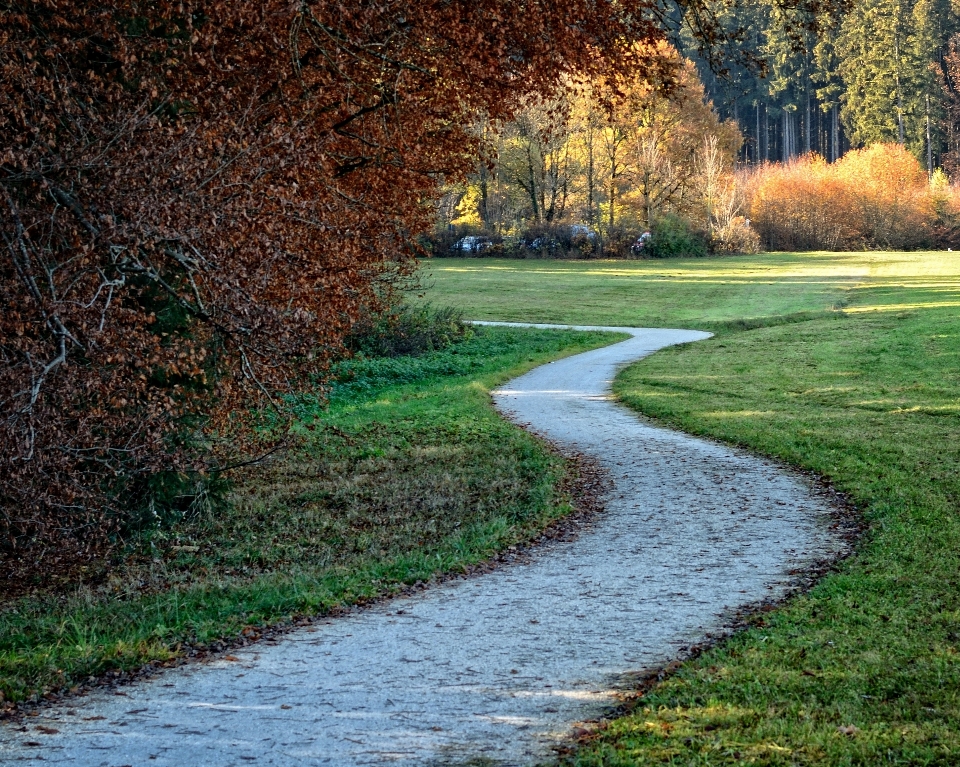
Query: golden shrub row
point(877, 197)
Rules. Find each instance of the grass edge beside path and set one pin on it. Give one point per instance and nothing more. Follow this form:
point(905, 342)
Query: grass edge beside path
point(415, 440)
point(864, 668)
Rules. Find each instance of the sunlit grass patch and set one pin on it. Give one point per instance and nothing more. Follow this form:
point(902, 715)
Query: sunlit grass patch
point(845, 364)
point(691, 292)
point(704, 293)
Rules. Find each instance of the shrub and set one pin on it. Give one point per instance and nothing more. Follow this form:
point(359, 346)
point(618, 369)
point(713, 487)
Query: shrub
point(618, 241)
point(871, 198)
point(946, 202)
point(801, 206)
point(736, 236)
point(890, 191)
point(673, 237)
point(165, 498)
point(409, 330)
point(555, 240)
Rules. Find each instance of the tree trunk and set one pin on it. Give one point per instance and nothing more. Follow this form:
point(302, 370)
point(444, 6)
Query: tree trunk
point(896, 53)
point(785, 130)
point(766, 135)
point(834, 133)
point(613, 188)
point(533, 186)
point(647, 201)
point(756, 146)
point(550, 210)
point(590, 177)
point(484, 208)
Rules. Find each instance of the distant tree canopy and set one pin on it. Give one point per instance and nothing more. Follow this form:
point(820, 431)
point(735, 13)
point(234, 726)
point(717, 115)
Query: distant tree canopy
point(200, 198)
point(839, 76)
point(598, 154)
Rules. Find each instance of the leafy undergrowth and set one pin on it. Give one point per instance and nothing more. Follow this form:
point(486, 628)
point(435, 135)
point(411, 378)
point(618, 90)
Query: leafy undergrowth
point(865, 668)
point(408, 473)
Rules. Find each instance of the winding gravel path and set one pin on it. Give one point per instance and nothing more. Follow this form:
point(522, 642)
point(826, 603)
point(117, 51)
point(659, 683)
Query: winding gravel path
point(496, 667)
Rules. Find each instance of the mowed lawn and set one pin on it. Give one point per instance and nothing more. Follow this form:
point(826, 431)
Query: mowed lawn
point(695, 293)
point(688, 292)
point(844, 364)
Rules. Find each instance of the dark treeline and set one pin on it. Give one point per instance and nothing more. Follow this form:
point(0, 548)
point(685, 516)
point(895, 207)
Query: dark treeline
point(876, 71)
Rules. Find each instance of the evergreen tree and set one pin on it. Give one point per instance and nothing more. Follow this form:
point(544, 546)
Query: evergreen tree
point(790, 57)
point(880, 69)
point(870, 73)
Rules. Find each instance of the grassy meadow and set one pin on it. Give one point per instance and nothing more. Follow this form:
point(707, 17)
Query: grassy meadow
point(405, 473)
point(695, 293)
point(843, 364)
point(847, 365)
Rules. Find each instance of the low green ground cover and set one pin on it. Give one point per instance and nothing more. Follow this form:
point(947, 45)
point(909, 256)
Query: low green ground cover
point(865, 668)
point(409, 472)
point(697, 292)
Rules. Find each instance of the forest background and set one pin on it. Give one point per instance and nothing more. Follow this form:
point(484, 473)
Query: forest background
point(787, 88)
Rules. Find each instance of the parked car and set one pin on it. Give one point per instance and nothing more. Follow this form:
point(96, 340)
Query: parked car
point(582, 230)
point(472, 244)
point(641, 243)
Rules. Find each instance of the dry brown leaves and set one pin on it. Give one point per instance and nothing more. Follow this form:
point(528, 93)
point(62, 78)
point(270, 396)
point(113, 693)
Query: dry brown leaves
point(200, 198)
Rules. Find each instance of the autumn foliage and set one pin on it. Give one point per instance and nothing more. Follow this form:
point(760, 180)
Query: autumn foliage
point(878, 197)
point(199, 200)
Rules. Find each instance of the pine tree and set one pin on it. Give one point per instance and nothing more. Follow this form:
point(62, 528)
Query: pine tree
point(887, 50)
point(871, 72)
point(790, 58)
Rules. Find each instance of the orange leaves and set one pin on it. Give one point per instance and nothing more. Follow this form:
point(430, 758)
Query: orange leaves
point(874, 197)
point(801, 205)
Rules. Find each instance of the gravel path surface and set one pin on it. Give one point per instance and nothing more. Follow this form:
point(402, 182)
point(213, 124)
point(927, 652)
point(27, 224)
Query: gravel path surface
point(492, 669)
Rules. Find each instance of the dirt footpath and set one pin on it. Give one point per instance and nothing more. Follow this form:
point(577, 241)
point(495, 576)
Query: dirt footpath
point(498, 668)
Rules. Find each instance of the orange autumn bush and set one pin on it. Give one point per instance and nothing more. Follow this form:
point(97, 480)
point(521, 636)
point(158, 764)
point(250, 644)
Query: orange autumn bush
point(800, 206)
point(946, 201)
point(878, 197)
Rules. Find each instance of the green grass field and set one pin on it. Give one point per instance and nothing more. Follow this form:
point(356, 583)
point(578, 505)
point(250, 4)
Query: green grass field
point(695, 293)
point(408, 473)
point(844, 364)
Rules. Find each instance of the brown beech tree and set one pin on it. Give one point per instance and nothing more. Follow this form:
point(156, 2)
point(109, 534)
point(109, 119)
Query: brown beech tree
point(198, 200)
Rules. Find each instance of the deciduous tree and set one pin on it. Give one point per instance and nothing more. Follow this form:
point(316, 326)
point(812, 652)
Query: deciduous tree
point(199, 198)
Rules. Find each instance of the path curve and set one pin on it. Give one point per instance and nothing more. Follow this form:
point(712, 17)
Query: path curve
point(495, 667)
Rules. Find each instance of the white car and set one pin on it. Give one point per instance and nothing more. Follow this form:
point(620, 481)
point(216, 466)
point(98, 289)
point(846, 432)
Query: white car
point(472, 244)
point(582, 230)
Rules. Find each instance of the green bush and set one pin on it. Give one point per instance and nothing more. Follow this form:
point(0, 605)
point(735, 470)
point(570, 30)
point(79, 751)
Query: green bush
point(409, 330)
point(674, 237)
